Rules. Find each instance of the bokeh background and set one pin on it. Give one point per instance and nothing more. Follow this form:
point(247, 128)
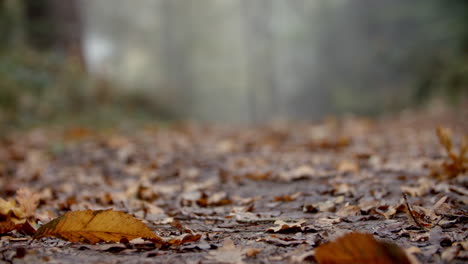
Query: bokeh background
point(252, 61)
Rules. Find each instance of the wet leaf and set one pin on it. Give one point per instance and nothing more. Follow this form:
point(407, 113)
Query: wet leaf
point(92, 227)
point(360, 248)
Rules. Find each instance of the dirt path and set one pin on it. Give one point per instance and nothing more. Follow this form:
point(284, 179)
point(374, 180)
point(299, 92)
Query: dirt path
point(324, 179)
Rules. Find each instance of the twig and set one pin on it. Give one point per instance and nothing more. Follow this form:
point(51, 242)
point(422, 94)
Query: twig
point(411, 212)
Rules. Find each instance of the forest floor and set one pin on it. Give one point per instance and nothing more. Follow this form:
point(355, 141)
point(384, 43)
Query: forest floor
point(265, 194)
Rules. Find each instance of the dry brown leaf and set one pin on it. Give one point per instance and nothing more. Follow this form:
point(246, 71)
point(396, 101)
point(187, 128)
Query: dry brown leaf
point(452, 252)
point(325, 206)
point(348, 210)
point(301, 254)
point(347, 166)
point(95, 226)
point(360, 248)
point(301, 172)
point(175, 241)
point(282, 226)
point(410, 253)
point(458, 163)
point(344, 189)
point(228, 253)
point(287, 197)
point(216, 199)
point(12, 217)
point(282, 241)
point(7, 226)
point(28, 201)
point(252, 252)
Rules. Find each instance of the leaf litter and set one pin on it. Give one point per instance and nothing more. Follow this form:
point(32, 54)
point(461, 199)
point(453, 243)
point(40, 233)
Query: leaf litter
point(272, 193)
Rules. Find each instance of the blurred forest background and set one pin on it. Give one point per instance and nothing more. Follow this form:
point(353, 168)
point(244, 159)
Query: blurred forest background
point(227, 60)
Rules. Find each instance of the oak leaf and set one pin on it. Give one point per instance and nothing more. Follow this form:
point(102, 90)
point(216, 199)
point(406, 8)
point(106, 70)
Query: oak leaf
point(92, 227)
point(360, 248)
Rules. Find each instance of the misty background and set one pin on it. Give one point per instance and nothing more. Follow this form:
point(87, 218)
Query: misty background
point(228, 60)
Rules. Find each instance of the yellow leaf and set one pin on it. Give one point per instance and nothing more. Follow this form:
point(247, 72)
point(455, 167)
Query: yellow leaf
point(95, 226)
point(11, 216)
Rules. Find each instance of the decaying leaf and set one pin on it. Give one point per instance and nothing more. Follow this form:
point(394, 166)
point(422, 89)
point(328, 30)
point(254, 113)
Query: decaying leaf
point(282, 241)
point(458, 163)
point(347, 166)
point(27, 200)
point(174, 241)
point(452, 252)
point(14, 213)
point(282, 226)
point(216, 199)
point(287, 197)
point(12, 216)
point(228, 253)
point(325, 206)
point(360, 248)
point(301, 172)
point(92, 227)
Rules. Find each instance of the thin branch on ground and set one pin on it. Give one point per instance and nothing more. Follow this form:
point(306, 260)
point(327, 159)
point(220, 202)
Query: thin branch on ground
point(410, 211)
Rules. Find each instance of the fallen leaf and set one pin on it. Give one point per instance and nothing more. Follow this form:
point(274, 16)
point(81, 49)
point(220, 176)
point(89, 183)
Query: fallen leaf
point(287, 197)
point(282, 241)
point(301, 172)
point(348, 210)
point(228, 253)
point(344, 189)
point(28, 201)
point(325, 206)
point(410, 253)
point(452, 252)
point(252, 252)
point(458, 163)
point(216, 199)
point(360, 248)
point(92, 227)
point(7, 226)
point(282, 226)
point(177, 241)
point(347, 166)
point(301, 254)
point(12, 216)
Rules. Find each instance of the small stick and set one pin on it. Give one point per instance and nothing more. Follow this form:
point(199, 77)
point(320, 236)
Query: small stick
point(411, 212)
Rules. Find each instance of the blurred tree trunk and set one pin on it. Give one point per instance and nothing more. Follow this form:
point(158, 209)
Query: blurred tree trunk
point(259, 42)
point(55, 25)
point(12, 23)
point(176, 50)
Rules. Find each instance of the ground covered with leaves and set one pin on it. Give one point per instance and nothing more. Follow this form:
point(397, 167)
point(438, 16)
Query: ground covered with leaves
point(220, 194)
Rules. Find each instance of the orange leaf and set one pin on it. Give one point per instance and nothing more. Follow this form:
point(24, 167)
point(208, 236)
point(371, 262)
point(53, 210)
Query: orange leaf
point(95, 226)
point(7, 226)
point(360, 248)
